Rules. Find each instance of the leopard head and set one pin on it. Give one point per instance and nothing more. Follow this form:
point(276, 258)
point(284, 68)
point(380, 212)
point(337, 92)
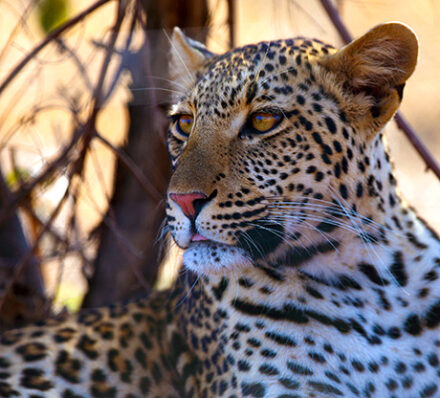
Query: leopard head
point(266, 138)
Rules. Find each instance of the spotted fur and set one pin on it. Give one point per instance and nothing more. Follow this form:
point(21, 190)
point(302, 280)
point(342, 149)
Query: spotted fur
point(307, 274)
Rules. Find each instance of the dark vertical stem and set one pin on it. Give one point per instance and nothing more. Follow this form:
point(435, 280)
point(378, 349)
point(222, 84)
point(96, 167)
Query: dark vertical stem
point(336, 19)
point(429, 160)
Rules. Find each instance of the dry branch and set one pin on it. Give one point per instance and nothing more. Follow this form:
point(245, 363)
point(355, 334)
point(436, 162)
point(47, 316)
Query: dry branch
point(137, 173)
point(24, 261)
point(51, 37)
point(72, 157)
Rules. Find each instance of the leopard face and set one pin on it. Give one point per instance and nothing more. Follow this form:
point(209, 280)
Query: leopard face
point(270, 141)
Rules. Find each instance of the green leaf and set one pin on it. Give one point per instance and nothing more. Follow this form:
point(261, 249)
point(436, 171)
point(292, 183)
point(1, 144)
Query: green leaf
point(52, 13)
point(17, 176)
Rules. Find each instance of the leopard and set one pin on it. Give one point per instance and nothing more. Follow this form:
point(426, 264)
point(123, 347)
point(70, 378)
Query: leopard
point(305, 272)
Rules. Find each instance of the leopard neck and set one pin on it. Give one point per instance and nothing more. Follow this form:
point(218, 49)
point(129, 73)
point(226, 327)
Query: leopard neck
point(378, 303)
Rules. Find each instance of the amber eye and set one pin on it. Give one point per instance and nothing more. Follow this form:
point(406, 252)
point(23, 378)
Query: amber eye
point(263, 121)
point(185, 124)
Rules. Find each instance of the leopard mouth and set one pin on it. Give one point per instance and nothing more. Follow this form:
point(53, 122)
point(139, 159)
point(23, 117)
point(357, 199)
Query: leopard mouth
point(199, 238)
point(257, 242)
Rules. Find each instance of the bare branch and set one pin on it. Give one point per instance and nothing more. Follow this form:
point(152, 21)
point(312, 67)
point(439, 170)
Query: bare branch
point(146, 185)
point(52, 167)
point(83, 135)
point(28, 256)
point(417, 143)
point(337, 21)
point(56, 33)
point(90, 130)
point(20, 23)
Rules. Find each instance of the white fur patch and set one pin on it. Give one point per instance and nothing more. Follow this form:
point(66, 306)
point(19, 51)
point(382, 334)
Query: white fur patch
point(209, 257)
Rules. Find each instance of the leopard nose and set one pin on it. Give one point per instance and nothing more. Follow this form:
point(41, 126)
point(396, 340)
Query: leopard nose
point(190, 203)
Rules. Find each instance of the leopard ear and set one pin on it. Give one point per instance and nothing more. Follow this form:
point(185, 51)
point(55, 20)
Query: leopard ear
point(187, 57)
point(378, 65)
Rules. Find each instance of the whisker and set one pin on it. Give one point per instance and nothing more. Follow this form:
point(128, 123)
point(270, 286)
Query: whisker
point(168, 90)
point(318, 219)
point(189, 75)
point(331, 210)
point(356, 223)
point(188, 292)
point(168, 81)
point(251, 241)
point(282, 236)
point(311, 227)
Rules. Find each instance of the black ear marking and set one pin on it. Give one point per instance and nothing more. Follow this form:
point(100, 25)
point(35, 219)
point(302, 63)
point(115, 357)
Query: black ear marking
point(399, 90)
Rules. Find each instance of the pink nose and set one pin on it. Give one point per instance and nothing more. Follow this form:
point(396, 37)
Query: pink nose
point(186, 202)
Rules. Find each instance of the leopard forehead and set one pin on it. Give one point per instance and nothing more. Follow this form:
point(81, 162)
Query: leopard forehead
point(253, 75)
point(282, 76)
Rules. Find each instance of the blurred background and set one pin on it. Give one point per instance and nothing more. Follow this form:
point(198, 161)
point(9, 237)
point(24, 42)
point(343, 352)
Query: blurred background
point(83, 164)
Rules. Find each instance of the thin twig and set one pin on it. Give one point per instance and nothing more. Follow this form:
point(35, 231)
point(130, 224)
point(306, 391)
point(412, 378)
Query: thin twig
point(97, 98)
point(417, 143)
point(20, 23)
point(123, 54)
point(149, 188)
point(401, 121)
point(85, 131)
point(52, 36)
point(52, 167)
point(83, 135)
point(20, 267)
point(98, 94)
point(30, 212)
point(77, 61)
point(337, 21)
point(231, 23)
point(128, 248)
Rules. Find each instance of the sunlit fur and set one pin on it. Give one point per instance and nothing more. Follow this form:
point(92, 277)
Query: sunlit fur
point(313, 227)
point(300, 160)
point(305, 272)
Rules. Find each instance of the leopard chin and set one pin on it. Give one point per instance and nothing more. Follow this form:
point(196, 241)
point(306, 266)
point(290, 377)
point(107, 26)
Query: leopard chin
point(209, 257)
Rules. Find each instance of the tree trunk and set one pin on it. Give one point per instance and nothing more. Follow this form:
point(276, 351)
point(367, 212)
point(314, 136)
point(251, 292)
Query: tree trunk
point(128, 260)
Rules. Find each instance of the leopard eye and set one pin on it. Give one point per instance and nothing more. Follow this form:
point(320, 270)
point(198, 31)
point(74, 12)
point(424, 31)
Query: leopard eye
point(185, 124)
point(264, 121)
